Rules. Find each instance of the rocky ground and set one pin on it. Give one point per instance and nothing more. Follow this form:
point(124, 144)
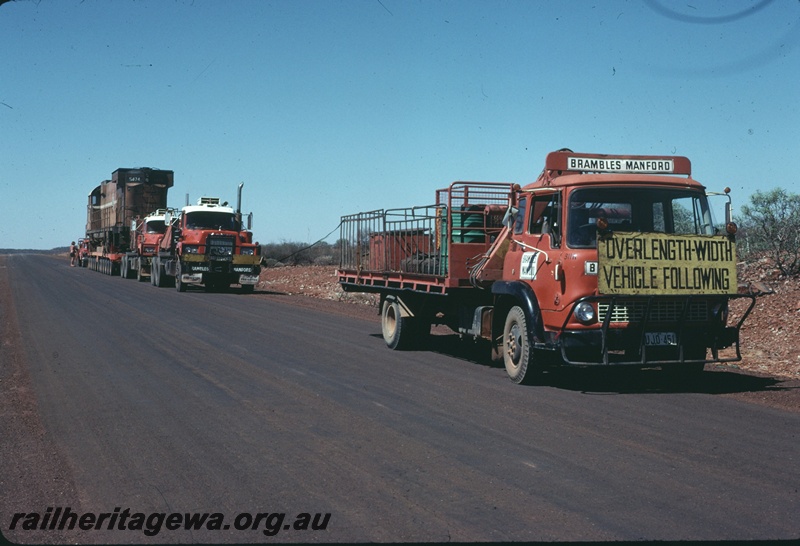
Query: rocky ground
point(770, 337)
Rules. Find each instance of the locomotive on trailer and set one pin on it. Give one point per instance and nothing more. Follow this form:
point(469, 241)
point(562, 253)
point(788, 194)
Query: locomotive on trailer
point(112, 208)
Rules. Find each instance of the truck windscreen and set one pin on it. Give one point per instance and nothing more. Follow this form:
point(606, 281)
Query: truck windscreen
point(646, 210)
point(156, 226)
point(212, 220)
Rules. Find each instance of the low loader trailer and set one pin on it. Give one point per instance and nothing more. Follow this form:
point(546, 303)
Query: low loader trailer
point(602, 261)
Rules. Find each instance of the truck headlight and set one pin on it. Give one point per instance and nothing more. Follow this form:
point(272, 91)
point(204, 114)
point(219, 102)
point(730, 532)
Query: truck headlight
point(248, 251)
point(720, 312)
point(584, 312)
point(191, 249)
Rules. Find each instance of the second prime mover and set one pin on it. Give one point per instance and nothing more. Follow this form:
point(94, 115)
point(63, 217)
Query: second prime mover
point(603, 260)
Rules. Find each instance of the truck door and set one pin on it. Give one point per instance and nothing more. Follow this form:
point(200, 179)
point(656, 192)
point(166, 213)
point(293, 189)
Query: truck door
point(536, 245)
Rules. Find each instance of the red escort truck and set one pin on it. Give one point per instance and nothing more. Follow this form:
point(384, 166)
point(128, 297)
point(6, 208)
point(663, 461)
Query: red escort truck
point(603, 260)
point(206, 244)
point(112, 207)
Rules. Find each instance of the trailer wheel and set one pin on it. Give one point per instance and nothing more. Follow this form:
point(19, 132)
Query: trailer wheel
point(399, 332)
point(518, 347)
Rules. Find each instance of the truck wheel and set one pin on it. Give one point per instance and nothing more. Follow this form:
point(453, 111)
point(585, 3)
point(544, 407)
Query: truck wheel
point(247, 288)
point(180, 286)
point(139, 276)
point(517, 347)
point(398, 331)
point(156, 272)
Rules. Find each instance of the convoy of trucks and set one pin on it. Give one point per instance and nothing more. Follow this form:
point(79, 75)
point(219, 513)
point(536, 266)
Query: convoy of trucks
point(130, 232)
point(603, 260)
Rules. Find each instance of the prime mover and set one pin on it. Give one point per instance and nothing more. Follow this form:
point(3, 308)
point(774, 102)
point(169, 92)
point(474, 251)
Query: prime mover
point(207, 244)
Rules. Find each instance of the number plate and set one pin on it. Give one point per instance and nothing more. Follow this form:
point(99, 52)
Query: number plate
point(660, 338)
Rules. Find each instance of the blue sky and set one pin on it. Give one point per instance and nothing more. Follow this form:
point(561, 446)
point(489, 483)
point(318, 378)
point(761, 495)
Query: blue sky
point(325, 108)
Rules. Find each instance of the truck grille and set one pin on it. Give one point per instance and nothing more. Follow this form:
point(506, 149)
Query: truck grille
point(220, 247)
point(660, 311)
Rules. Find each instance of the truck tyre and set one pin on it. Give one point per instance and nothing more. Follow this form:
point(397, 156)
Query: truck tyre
point(139, 276)
point(517, 347)
point(158, 273)
point(180, 286)
point(398, 331)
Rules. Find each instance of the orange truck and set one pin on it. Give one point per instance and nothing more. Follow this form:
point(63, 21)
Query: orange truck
point(207, 244)
point(112, 206)
point(146, 234)
point(602, 261)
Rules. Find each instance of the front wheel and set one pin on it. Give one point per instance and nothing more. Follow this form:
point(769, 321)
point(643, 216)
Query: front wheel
point(398, 331)
point(158, 274)
point(180, 286)
point(517, 347)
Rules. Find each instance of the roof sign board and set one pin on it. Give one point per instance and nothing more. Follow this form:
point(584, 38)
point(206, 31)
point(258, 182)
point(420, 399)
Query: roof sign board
point(614, 165)
point(564, 160)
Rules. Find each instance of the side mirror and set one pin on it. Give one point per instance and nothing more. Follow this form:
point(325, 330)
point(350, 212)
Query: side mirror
point(510, 217)
point(250, 221)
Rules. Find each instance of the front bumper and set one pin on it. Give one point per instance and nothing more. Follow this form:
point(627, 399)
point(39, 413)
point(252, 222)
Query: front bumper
point(691, 339)
point(238, 270)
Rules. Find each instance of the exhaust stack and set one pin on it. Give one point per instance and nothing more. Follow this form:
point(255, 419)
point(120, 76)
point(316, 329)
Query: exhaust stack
point(239, 204)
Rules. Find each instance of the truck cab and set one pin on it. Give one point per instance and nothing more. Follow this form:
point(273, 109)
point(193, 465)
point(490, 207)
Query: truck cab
point(207, 244)
point(618, 261)
point(146, 235)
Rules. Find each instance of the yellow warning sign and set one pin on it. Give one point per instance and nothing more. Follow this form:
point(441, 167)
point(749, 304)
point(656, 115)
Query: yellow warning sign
point(657, 263)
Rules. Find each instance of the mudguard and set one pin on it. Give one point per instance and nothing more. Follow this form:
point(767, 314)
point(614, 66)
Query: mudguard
point(524, 296)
